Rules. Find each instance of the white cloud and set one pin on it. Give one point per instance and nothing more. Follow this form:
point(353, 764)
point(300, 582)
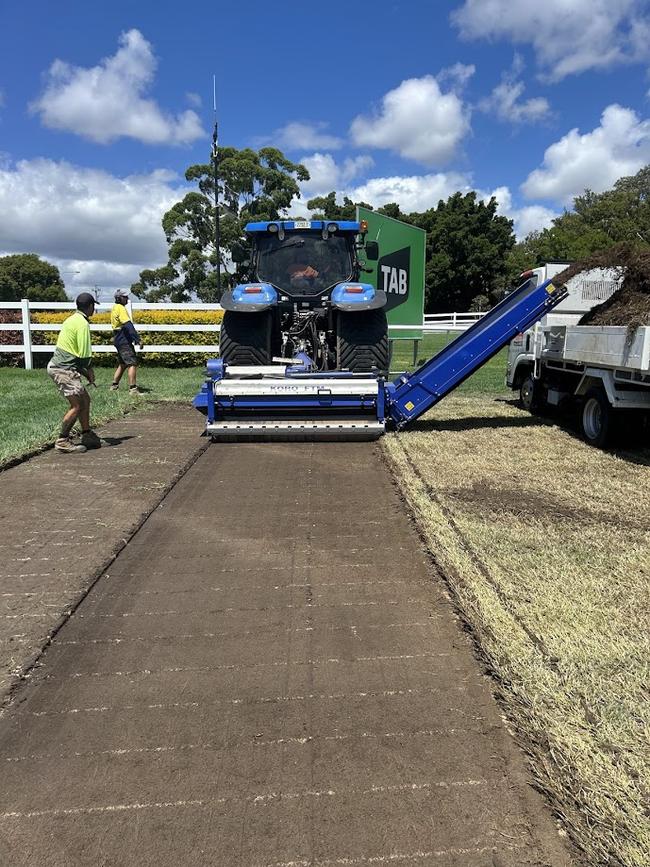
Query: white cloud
point(325, 174)
point(62, 211)
point(303, 136)
point(107, 101)
point(620, 146)
point(194, 99)
point(412, 193)
point(505, 102)
point(418, 193)
point(102, 278)
point(417, 120)
point(457, 75)
point(569, 36)
point(527, 219)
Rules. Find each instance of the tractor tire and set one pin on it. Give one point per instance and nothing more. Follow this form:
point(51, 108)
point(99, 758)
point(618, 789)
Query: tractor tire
point(245, 338)
point(362, 342)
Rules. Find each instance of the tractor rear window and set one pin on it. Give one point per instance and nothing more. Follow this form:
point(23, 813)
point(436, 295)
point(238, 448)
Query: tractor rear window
point(304, 263)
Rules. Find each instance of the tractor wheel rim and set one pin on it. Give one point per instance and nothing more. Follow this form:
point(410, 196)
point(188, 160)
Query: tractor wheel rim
point(593, 419)
point(527, 393)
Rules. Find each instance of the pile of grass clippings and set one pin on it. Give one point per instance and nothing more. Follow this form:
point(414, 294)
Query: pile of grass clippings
point(630, 305)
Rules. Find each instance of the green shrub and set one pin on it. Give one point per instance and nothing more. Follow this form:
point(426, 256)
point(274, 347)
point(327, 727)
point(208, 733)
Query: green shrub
point(150, 338)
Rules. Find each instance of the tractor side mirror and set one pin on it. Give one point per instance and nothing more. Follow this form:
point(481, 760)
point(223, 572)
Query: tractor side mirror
point(239, 253)
point(372, 251)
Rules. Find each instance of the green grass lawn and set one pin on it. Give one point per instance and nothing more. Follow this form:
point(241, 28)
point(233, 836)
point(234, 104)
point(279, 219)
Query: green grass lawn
point(489, 379)
point(31, 407)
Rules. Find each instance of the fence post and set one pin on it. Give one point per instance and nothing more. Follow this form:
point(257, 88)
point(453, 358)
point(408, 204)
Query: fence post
point(27, 334)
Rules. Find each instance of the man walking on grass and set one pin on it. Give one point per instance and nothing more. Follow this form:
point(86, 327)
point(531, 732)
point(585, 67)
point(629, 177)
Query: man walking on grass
point(124, 337)
point(73, 358)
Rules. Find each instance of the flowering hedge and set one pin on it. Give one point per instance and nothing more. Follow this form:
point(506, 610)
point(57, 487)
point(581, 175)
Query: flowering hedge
point(150, 338)
point(8, 338)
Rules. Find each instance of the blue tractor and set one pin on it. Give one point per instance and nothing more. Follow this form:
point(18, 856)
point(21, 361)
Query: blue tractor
point(305, 297)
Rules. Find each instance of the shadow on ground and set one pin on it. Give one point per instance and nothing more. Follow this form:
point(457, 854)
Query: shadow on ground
point(634, 451)
point(477, 423)
point(115, 441)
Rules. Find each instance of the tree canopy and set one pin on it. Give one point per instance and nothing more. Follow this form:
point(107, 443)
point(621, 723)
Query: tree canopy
point(25, 275)
point(597, 221)
point(467, 243)
point(471, 254)
point(253, 185)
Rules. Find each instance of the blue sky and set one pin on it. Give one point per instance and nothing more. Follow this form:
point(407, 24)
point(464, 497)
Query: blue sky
point(103, 105)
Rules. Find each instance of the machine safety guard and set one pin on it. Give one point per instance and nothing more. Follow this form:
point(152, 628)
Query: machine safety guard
point(292, 401)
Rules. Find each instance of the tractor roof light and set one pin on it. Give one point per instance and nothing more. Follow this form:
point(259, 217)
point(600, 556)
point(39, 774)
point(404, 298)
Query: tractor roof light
point(253, 290)
point(354, 290)
point(363, 227)
point(273, 227)
point(332, 227)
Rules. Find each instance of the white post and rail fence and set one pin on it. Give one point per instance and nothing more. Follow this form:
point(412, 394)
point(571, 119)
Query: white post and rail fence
point(434, 323)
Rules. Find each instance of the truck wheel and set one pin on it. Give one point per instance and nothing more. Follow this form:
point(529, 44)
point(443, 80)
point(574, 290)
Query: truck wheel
point(362, 342)
point(245, 338)
point(527, 392)
point(597, 419)
point(530, 395)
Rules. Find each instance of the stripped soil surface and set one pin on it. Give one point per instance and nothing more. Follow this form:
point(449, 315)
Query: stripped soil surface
point(63, 518)
point(268, 674)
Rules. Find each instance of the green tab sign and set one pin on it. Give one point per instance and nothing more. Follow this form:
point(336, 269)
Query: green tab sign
point(399, 271)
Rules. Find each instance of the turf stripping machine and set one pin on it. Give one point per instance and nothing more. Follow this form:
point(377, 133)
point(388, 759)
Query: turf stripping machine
point(291, 399)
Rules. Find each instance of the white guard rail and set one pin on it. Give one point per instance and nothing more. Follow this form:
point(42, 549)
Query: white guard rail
point(434, 323)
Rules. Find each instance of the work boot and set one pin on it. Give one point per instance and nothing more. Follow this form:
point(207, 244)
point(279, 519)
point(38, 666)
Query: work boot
point(114, 386)
point(65, 444)
point(90, 440)
point(135, 390)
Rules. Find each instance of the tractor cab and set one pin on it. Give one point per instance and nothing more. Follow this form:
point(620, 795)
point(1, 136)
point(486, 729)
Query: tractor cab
point(307, 298)
point(304, 264)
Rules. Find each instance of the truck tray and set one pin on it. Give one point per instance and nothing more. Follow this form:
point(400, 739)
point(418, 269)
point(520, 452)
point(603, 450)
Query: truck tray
point(612, 346)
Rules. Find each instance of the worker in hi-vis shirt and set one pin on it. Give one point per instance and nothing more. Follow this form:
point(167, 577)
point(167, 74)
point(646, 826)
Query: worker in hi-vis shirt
point(124, 338)
point(73, 358)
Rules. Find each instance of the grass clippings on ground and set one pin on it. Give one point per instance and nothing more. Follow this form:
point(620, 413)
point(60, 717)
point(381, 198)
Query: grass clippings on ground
point(545, 543)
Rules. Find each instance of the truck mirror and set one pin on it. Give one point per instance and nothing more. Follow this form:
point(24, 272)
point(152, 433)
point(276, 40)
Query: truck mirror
point(372, 251)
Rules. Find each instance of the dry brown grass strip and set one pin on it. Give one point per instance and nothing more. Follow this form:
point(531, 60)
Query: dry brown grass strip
point(545, 543)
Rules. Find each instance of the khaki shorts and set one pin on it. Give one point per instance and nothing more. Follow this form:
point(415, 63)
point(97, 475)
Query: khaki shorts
point(67, 381)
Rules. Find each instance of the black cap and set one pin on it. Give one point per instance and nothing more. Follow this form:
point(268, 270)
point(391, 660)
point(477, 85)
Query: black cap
point(85, 300)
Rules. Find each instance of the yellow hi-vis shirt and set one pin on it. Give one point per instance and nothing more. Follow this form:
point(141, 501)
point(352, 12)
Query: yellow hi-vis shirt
point(119, 316)
point(73, 349)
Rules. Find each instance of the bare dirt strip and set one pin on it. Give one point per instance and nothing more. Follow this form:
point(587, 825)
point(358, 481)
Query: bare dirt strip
point(63, 518)
point(267, 674)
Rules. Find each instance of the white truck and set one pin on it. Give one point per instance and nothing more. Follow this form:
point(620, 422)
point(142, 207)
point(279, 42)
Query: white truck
point(603, 372)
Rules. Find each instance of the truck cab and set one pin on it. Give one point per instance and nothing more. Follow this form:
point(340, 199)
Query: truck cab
point(585, 291)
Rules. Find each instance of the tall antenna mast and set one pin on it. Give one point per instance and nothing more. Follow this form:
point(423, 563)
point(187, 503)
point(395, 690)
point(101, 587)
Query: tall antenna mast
point(215, 169)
